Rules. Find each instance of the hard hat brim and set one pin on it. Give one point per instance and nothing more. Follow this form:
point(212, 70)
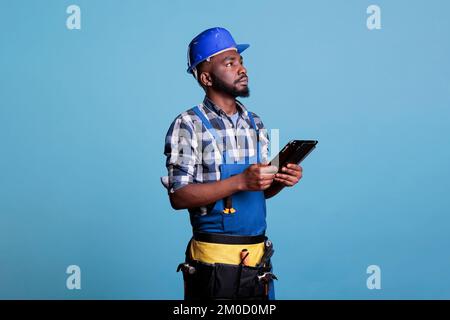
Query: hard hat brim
point(241, 47)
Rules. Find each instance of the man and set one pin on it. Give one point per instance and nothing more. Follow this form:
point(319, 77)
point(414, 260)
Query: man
point(216, 161)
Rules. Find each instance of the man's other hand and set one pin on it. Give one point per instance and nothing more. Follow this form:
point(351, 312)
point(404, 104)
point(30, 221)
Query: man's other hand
point(289, 176)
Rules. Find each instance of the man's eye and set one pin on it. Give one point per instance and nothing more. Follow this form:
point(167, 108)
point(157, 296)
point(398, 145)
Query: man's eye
point(228, 64)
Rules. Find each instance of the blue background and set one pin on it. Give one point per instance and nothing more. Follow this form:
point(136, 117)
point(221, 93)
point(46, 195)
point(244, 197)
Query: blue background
point(84, 114)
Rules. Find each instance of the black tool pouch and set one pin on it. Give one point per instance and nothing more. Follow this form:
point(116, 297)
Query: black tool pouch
point(237, 282)
point(224, 281)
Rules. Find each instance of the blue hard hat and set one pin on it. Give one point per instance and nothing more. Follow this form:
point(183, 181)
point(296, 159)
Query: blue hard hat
point(208, 43)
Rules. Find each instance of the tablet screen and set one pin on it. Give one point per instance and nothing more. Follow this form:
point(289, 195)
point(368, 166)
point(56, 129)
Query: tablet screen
point(294, 152)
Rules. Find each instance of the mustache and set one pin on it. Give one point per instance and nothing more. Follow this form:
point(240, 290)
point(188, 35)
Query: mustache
point(240, 79)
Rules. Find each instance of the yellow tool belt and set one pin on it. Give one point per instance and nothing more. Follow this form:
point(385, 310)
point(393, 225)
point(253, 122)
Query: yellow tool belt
point(205, 248)
point(225, 253)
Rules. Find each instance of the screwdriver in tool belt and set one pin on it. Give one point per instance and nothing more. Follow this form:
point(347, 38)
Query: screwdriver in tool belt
point(244, 257)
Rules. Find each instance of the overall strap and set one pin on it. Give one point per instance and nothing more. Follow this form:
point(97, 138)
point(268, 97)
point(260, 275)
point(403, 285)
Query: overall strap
point(210, 129)
point(257, 134)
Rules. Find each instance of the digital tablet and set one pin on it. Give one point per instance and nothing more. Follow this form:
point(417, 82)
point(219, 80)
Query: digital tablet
point(294, 152)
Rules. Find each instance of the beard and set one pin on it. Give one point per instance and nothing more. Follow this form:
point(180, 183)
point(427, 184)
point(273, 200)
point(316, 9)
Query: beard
point(231, 90)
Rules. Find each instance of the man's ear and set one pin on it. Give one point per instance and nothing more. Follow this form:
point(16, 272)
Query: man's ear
point(205, 79)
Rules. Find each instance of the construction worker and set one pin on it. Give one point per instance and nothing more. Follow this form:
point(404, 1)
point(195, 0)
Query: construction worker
point(217, 169)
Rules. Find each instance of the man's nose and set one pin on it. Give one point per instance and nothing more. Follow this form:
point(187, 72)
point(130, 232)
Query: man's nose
point(242, 69)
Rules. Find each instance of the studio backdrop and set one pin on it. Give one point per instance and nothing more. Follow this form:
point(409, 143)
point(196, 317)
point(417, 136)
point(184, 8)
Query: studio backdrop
point(88, 90)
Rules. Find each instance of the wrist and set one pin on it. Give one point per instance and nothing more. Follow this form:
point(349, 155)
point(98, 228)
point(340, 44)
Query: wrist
point(239, 183)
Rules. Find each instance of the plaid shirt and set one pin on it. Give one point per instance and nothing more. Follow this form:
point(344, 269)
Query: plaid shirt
point(194, 156)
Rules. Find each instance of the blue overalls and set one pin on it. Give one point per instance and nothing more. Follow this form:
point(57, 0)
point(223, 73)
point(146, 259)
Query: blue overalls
point(250, 216)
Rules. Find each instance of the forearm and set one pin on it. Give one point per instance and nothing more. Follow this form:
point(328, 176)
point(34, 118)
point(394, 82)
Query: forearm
point(201, 194)
point(274, 189)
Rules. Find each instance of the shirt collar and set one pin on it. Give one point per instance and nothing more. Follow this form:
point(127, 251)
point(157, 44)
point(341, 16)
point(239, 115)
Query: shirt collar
point(213, 107)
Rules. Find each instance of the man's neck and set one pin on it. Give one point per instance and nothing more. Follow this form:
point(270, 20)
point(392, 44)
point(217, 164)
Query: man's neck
point(226, 103)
